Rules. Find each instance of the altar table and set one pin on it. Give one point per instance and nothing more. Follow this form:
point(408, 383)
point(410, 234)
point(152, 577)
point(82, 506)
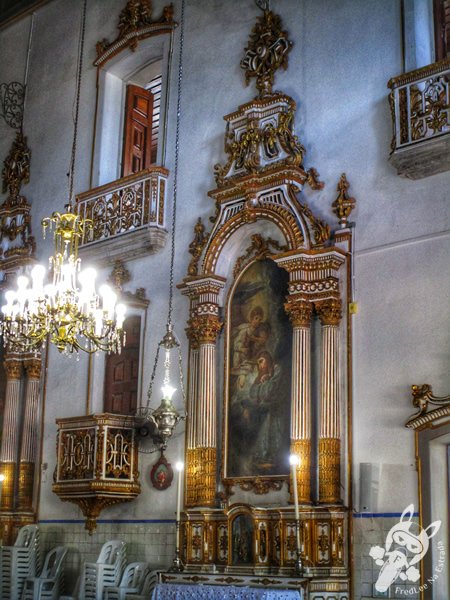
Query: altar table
point(172, 591)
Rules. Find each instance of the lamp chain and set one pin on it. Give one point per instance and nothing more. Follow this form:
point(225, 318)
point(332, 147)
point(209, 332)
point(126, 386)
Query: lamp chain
point(175, 169)
point(77, 102)
point(174, 214)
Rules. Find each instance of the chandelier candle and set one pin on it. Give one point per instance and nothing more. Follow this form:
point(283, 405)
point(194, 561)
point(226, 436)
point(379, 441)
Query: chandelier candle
point(177, 565)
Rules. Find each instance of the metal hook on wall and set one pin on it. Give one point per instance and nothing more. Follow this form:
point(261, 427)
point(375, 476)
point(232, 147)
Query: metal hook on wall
point(263, 4)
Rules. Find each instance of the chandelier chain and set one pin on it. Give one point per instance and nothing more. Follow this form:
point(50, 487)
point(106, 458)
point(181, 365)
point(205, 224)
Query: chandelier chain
point(77, 102)
point(175, 170)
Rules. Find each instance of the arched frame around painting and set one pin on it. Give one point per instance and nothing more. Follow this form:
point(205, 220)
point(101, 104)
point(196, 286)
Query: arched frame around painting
point(257, 375)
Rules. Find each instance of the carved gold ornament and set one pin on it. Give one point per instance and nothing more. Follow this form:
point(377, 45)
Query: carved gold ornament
point(343, 205)
point(422, 398)
point(329, 311)
point(119, 275)
point(329, 470)
point(259, 485)
point(201, 477)
point(259, 248)
point(13, 369)
point(196, 246)
point(135, 24)
point(96, 463)
point(33, 368)
point(16, 169)
point(263, 141)
point(266, 52)
point(17, 243)
point(300, 313)
point(204, 329)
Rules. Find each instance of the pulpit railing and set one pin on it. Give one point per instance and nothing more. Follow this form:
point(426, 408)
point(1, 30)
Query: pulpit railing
point(97, 462)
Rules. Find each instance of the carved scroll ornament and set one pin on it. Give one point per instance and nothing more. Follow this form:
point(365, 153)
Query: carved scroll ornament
point(266, 52)
point(135, 23)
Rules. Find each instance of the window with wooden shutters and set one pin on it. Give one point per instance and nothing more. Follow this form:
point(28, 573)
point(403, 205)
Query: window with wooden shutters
point(122, 372)
point(138, 130)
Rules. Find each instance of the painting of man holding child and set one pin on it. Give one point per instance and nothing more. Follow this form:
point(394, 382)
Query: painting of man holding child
point(259, 374)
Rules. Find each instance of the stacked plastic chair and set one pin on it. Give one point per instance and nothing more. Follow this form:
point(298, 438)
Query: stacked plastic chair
point(49, 584)
point(106, 572)
point(19, 562)
point(151, 579)
point(131, 583)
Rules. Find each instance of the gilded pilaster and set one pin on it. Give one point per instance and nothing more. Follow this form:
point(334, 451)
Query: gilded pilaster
point(330, 314)
point(29, 435)
point(10, 438)
point(300, 312)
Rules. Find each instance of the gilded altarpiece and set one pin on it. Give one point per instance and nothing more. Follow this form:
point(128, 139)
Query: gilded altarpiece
point(268, 287)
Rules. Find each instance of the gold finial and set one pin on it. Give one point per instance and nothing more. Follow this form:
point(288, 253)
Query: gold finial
point(343, 205)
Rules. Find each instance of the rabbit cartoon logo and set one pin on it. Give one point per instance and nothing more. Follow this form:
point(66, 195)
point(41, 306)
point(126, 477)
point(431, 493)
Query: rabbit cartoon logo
point(403, 549)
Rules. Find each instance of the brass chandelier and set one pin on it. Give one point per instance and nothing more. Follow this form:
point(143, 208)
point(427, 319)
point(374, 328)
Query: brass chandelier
point(68, 311)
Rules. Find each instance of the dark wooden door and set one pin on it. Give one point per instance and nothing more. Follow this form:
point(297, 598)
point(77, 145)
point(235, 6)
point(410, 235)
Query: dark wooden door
point(138, 130)
point(122, 372)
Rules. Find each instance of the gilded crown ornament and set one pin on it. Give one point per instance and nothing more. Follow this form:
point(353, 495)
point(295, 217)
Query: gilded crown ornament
point(266, 52)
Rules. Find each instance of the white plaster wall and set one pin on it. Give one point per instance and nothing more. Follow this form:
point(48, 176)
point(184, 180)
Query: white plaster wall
point(343, 55)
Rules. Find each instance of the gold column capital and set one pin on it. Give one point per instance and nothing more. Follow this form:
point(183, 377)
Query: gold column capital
point(33, 368)
point(13, 369)
point(329, 311)
point(204, 329)
point(299, 311)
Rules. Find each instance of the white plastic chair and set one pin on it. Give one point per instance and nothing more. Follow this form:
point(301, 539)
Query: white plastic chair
point(49, 584)
point(106, 572)
point(19, 562)
point(151, 579)
point(131, 583)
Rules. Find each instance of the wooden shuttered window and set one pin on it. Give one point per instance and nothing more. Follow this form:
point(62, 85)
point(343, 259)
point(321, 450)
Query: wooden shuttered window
point(155, 89)
point(122, 372)
point(138, 130)
point(141, 126)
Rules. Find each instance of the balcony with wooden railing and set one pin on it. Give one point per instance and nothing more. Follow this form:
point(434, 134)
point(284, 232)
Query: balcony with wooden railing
point(420, 108)
point(128, 217)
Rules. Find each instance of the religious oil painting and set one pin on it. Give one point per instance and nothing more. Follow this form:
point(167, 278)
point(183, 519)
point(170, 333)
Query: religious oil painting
point(259, 374)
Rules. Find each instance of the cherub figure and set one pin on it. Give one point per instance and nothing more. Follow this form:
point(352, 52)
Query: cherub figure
point(250, 338)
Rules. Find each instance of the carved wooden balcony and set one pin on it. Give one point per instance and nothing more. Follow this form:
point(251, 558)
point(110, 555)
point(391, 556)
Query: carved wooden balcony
point(97, 463)
point(128, 217)
point(420, 107)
